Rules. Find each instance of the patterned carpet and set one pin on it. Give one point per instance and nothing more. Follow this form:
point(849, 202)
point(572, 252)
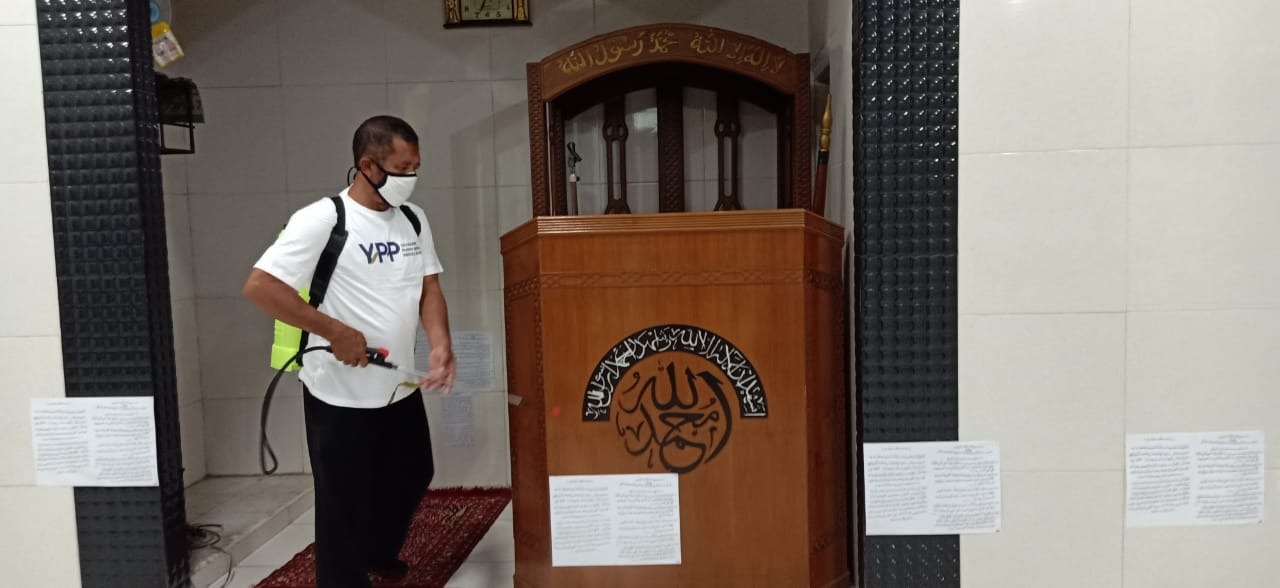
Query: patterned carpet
point(448, 525)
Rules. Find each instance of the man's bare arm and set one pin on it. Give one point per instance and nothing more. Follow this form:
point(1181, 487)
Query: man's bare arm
point(282, 302)
point(434, 313)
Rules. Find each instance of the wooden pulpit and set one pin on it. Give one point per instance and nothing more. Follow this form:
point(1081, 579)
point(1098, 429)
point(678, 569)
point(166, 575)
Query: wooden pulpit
point(700, 348)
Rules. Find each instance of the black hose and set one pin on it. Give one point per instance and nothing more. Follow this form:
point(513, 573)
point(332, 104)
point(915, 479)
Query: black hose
point(376, 357)
point(264, 446)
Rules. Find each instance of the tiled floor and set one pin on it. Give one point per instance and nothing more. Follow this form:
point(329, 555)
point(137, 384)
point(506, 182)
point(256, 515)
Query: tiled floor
point(491, 564)
point(249, 510)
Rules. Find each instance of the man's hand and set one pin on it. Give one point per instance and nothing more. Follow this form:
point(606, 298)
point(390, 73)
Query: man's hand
point(441, 370)
point(349, 347)
point(282, 302)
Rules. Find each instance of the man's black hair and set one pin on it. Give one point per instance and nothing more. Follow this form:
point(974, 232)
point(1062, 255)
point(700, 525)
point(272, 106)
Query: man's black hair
point(374, 137)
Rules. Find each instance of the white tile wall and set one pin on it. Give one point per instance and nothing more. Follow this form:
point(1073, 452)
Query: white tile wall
point(1206, 556)
point(37, 520)
point(1043, 75)
point(1043, 232)
point(235, 350)
point(318, 124)
point(230, 43)
point(442, 209)
point(1116, 235)
point(186, 349)
point(17, 13)
point(39, 523)
point(699, 134)
point(515, 207)
point(511, 132)
point(177, 221)
point(27, 379)
point(1035, 382)
point(1204, 72)
point(454, 122)
point(191, 421)
point(419, 50)
point(467, 237)
point(173, 172)
point(240, 149)
point(229, 233)
point(24, 154)
point(1203, 227)
point(28, 298)
point(617, 14)
point(1205, 371)
point(1059, 529)
point(232, 428)
point(759, 143)
point(333, 41)
point(642, 136)
point(584, 131)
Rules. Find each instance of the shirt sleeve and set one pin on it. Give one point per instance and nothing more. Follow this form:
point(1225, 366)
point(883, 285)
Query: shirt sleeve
point(292, 258)
point(430, 261)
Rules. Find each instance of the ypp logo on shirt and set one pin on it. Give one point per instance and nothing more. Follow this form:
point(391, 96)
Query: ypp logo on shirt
point(381, 251)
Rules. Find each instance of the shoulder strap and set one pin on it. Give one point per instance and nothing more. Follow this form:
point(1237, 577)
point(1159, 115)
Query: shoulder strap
point(413, 218)
point(328, 262)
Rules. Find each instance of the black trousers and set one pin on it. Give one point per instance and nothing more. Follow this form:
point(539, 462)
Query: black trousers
point(371, 468)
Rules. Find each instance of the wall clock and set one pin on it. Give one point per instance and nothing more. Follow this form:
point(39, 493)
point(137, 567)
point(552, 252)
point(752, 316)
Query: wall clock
point(470, 13)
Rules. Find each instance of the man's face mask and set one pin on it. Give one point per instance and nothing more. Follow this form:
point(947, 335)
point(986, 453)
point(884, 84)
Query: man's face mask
point(395, 189)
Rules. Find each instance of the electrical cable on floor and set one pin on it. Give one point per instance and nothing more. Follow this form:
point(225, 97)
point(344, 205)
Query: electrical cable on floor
point(202, 536)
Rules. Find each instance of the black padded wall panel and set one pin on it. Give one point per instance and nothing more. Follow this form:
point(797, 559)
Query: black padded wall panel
point(905, 176)
point(112, 266)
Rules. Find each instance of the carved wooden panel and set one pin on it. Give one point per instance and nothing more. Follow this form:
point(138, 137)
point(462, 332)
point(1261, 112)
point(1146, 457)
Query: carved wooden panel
point(558, 173)
point(671, 149)
point(801, 133)
point(628, 48)
point(537, 144)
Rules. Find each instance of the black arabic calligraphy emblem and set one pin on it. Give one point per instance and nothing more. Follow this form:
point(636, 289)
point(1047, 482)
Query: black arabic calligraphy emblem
point(668, 390)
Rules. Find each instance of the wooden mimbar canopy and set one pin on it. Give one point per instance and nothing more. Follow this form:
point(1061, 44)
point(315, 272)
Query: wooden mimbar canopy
point(669, 58)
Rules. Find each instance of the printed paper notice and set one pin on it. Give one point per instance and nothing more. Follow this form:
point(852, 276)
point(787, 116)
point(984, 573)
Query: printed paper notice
point(473, 352)
point(472, 355)
point(458, 423)
point(1194, 479)
point(942, 488)
point(624, 520)
point(99, 441)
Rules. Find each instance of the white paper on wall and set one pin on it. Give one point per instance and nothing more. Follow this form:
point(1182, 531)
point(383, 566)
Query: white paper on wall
point(473, 350)
point(1194, 479)
point(615, 520)
point(473, 358)
point(935, 488)
point(459, 422)
point(101, 441)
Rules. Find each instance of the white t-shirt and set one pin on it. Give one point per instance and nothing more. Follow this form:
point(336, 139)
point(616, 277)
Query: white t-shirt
point(375, 289)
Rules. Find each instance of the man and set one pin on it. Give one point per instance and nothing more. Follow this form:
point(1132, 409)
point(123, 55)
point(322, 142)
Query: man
point(366, 432)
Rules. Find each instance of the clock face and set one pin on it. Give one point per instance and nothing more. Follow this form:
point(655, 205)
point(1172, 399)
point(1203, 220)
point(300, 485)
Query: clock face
point(479, 10)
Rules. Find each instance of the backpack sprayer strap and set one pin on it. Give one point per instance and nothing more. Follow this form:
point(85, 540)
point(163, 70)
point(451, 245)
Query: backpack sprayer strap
point(324, 268)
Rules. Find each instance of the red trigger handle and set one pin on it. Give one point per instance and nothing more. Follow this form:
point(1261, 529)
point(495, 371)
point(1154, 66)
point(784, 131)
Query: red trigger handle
point(379, 356)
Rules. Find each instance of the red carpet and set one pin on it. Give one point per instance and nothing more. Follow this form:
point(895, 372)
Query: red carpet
point(449, 524)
